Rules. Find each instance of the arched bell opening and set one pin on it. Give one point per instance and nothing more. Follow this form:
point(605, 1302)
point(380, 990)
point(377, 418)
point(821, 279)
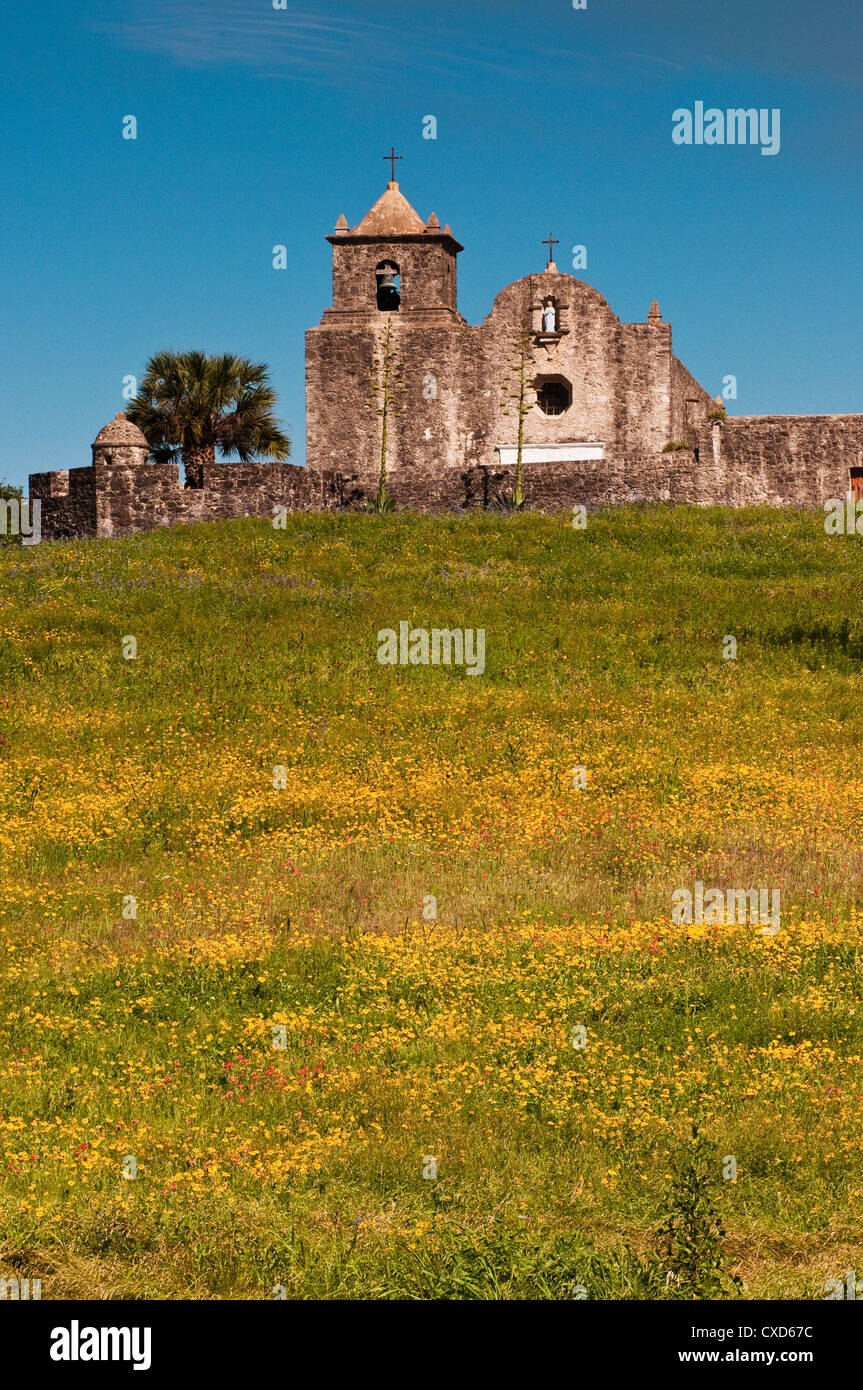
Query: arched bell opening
point(389, 295)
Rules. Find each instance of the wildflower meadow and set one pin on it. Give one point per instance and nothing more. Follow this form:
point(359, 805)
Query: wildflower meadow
point(329, 977)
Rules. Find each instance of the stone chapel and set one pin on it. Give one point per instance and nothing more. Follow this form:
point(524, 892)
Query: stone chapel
point(610, 415)
point(600, 388)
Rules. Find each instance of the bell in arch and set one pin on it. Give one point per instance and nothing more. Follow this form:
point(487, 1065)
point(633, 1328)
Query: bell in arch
point(389, 297)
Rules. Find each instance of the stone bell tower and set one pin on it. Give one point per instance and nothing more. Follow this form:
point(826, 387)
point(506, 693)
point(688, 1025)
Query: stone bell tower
point(393, 262)
point(393, 273)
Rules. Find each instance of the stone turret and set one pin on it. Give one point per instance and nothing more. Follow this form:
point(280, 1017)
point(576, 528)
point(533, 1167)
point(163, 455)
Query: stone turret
point(120, 443)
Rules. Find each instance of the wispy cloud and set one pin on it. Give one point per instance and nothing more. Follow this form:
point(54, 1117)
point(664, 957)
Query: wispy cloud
point(651, 58)
point(361, 41)
point(326, 42)
point(217, 32)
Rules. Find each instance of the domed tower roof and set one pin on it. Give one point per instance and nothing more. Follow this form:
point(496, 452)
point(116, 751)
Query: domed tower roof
point(121, 431)
point(392, 215)
point(120, 443)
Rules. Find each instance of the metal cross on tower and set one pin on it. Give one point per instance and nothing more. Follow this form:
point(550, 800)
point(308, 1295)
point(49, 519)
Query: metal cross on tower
point(392, 157)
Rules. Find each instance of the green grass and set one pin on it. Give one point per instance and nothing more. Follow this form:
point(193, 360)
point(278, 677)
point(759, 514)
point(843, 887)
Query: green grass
point(151, 1034)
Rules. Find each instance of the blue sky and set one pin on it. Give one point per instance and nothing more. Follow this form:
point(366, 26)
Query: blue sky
point(258, 126)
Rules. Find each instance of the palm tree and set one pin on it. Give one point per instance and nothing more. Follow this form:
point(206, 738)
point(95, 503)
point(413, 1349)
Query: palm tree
point(188, 405)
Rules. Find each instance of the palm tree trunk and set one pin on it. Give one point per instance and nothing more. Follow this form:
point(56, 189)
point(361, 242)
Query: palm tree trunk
point(195, 457)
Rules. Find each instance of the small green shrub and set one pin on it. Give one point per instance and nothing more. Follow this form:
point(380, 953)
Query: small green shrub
point(691, 1235)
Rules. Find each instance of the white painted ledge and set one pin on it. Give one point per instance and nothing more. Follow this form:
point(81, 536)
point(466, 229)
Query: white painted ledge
point(550, 453)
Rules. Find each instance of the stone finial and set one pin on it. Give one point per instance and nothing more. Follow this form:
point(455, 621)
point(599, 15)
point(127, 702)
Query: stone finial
point(433, 225)
point(720, 402)
point(120, 443)
point(654, 315)
point(550, 269)
point(342, 226)
point(447, 231)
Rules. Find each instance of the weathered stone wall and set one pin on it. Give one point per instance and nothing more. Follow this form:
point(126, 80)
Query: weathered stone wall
point(780, 463)
point(782, 460)
point(448, 401)
point(552, 486)
point(584, 355)
point(779, 460)
point(116, 500)
point(642, 386)
point(690, 404)
point(68, 499)
point(443, 410)
point(625, 382)
point(628, 390)
point(136, 499)
point(427, 266)
point(341, 429)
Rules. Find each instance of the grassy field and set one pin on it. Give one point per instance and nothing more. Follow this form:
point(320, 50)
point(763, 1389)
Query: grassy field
point(232, 990)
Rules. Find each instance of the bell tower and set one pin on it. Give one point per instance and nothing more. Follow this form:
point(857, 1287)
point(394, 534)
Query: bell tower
point(394, 284)
point(393, 263)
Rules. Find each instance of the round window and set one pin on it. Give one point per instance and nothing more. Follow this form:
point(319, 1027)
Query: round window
point(553, 397)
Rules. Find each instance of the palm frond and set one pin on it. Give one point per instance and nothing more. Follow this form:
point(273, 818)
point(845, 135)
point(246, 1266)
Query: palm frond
point(191, 401)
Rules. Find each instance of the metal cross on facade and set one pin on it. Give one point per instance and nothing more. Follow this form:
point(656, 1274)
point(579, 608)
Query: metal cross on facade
point(392, 157)
point(551, 242)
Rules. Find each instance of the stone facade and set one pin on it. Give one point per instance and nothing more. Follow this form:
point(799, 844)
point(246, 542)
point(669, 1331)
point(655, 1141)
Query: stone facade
point(624, 387)
point(604, 400)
